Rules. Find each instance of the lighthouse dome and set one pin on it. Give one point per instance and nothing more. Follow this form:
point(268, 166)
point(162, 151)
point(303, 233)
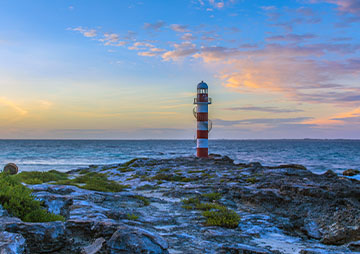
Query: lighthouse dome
point(202, 85)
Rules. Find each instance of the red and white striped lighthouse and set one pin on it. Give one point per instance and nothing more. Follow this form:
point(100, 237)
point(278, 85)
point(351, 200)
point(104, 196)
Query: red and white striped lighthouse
point(202, 101)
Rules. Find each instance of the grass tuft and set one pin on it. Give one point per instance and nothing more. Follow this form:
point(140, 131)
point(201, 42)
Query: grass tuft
point(214, 196)
point(145, 200)
point(222, 217)
point(252, 180)
point(215, 213)
point(131, 216)
point(94, 181)
point(36, 177)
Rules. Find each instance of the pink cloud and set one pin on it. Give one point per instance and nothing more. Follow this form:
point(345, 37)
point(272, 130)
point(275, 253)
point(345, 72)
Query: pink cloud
point(345, 6)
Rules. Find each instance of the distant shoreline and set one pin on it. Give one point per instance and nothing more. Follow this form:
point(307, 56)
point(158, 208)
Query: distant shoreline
point(276, 139)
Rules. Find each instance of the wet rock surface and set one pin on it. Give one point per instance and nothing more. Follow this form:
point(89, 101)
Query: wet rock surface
point(282, 209)
point(351, 172)
point(12, 243)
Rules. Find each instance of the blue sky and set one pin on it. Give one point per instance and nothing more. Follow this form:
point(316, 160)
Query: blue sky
point(129, 69)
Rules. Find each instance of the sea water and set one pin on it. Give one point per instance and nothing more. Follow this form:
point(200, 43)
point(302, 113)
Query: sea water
point(317, 155)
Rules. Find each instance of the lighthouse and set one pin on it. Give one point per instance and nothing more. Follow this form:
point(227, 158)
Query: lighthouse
point(201, 113)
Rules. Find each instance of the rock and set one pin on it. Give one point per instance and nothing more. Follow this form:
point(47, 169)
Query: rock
point(55, 203)
point(11, 168)
point(351, 172)
point(323, 207)
point(94, 248)
point(135, 240)
point(312, 229)
point(40, 237)
point(283, 204)
point(295, 166)
point(354, 246)
point(3, 212)
point(313, 251)
point(12, 243)
point(330, 173)
point(242, 249)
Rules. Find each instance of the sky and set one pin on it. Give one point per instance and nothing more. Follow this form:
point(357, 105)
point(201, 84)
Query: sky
point(129, 69)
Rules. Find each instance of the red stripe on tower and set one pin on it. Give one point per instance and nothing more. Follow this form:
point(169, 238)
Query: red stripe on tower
point(202, 101)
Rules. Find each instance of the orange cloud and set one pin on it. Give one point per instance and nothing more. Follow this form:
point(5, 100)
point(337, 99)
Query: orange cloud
point(337, 119)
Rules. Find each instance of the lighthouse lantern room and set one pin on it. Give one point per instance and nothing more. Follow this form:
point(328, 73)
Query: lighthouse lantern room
point(201, 113)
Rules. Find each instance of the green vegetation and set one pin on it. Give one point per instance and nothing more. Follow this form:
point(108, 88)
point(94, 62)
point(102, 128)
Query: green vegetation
point(127, 164)
point(214, 196)
point(123, 170)
point(215, 213)
point(195, 171)
point(222, 217)
point(145, 200)
point(164, 170)
point(206, 175)
point(208, 206)
point(36, 177)
point(94, 181)
point(191, 201)
point(252, 180)
point(131, 216)
point(18, 201)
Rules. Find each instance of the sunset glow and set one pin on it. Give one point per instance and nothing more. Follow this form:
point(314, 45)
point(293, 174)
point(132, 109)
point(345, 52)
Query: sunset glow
point(129, 69)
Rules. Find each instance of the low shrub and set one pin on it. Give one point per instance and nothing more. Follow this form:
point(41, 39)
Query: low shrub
point(191, 201)
point(208, 206)
point(94, 181)
point(215, 213)
point(36, 177)
point(214, 196)
point(127, 164)
point(252, 180)
point(222, 217)
point(19, 201)
point(145, 200)
point(131, 216)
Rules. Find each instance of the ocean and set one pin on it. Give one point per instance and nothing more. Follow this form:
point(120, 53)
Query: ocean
point(317, 155)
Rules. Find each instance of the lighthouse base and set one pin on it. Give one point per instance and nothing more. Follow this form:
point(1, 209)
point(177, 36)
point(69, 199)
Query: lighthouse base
point(202, 152)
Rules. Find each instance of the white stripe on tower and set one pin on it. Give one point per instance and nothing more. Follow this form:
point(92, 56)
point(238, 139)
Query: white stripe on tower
point(202, 143)
point(202, 126)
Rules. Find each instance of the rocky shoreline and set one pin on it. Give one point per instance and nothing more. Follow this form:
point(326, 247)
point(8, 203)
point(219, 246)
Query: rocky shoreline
point(282, 209)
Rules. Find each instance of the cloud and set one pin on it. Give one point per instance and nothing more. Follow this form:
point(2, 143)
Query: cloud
point(348, 119)
point(140, 45)
point(266, 121)
point(181, 50)
point(337, 119)
point(188, 37)
point(86, 32)
point(6, 102)
point(179, 28)
point(291, 37)
point(154, 26)
point(111, 39)
point(264, 109)
point(344, 6)
point(352, 98)
point(268, 8)
point(217, 4)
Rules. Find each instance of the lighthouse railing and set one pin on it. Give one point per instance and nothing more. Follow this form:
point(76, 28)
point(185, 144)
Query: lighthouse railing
point(202, 102)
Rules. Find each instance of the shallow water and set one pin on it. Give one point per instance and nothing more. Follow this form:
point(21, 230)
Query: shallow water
point(317, 155)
